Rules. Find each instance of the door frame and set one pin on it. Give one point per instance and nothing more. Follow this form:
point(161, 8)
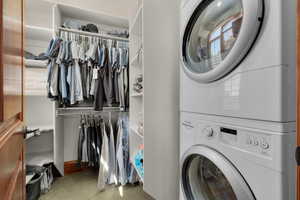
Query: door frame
point(298, 93)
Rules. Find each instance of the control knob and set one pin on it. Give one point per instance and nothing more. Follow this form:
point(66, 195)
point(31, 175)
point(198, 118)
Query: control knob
point(209, 132)
point(265, 145)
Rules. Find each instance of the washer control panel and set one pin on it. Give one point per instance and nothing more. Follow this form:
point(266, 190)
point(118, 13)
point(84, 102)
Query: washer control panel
point(242, 138)
point(258, 141)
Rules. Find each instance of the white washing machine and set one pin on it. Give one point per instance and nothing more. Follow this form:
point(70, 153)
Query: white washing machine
point(238, 58)
point(228, 159)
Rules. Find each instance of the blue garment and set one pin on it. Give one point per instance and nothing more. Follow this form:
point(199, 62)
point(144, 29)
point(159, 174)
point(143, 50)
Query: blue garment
point(63, 83)
point(123, 160)
point(101, 52)
point(52, 68)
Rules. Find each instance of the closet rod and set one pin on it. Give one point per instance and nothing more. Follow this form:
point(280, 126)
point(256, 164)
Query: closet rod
point(89, 109)
point(104, 36)
point(89, 113)
point(86, 110)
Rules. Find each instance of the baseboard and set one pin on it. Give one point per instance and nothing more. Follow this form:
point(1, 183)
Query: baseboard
point(71, 167)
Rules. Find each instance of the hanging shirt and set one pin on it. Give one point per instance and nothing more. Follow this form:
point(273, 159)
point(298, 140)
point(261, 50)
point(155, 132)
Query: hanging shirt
point(104, 160)
point(112, 156)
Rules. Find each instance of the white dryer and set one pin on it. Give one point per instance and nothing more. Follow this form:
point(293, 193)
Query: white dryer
point(238, 58)
point(225, 160)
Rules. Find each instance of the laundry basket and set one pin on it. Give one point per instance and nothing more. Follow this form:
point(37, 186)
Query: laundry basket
point(33, 188)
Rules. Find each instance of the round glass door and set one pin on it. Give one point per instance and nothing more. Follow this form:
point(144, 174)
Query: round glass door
point(212, 33)
point(207, 175)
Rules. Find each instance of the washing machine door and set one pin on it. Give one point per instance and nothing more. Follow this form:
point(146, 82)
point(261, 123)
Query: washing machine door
point(208, 175)
point(218, 35)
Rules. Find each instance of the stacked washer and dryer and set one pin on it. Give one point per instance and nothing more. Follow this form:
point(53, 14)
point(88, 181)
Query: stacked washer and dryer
point(238, 100)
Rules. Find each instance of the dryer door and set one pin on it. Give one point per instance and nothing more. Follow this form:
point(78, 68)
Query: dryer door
point(218, 35)
point(208, 175)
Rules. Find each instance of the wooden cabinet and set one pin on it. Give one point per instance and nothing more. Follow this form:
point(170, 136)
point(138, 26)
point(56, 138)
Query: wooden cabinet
point(12, 170)
point(11, 59)
point(11, 163)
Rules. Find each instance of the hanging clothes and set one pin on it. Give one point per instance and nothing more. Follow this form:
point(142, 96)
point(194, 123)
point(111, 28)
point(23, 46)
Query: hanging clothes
point(104, 145)
point(92, 72)
point(112, 156)
point(104, 157)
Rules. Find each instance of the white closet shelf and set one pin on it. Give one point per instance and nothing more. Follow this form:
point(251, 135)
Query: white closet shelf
point(134, 129)
point(88, 108)
point(38, 33)
point(137, 94)
point(104, 36)
point(43, 130)
point(70, 111)
point(137, 60)
point(35, 63)
point(137, 22)
point(39, 158)
point(137, 51)
point(69, 11)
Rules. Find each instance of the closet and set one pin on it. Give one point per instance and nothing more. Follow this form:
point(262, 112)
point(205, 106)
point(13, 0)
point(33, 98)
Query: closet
point(67, 118)
point(58, 121)
point(151, 117)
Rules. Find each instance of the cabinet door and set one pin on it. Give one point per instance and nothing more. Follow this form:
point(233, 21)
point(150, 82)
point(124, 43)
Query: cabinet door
point(12, 170)
point(11, 59)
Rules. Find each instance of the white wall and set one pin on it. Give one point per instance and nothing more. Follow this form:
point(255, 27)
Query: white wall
point(71, 133)
point(39, 114)
point(38, 13)
point(161, 90)
point(38, 111)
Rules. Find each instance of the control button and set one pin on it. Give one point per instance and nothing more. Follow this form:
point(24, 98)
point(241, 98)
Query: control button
point(209, 132)
point(255, 142)
point(264, 145)
point(249, 141)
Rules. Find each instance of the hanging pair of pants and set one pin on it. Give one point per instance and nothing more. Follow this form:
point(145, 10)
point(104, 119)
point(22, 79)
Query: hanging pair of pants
point(108, 85)
point(122, 85)
point(99, 90)
point(81, 140)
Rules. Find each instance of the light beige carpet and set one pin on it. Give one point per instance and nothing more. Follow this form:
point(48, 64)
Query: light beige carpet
point(83, 186)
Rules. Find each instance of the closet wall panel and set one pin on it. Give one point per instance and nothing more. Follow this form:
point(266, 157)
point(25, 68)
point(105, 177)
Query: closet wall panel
point(71, 131)
point(161, 98)
point(59, 138)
